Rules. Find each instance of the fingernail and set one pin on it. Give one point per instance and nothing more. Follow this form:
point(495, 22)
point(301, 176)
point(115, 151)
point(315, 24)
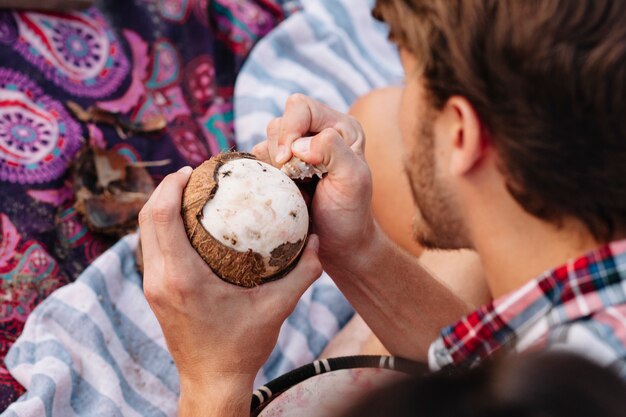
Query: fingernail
point(281, 154)
point(186, 170)
point(302, 145)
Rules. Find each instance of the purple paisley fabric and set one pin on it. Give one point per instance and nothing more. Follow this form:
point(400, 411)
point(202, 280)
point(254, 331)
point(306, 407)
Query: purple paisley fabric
point(176, 59)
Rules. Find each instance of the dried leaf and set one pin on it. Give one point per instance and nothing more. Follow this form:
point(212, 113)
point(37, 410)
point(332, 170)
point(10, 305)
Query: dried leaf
point(115, 214)
point(110, 167)
point(80, 113)
point(139, 180)
point(110, 191)
point(95, 114)
point(154, 124)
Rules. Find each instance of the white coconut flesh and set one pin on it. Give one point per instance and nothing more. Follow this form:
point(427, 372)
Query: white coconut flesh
point(256, 207)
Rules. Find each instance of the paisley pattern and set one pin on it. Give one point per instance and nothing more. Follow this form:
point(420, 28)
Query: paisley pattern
point(201, 11)
point(165, 65)
point(240, 36)
point(37, 136)
point(139, 59)
point(199, 83)
point(73, 50)
point(33, 262)
point(164, 95)
point(218, 123)
point(39, 275)
point(72, 231)
point(174, 10)
point(8, 29)
point(186, 135)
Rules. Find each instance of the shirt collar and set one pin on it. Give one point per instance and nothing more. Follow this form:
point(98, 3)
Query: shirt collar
point(574, 290)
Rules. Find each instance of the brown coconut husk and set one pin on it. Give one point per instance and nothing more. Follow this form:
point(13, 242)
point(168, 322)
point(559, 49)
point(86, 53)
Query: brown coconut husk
point(246, 269)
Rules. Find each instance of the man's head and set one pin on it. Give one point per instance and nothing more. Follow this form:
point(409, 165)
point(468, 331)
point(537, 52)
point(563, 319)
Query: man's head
point(537, 87)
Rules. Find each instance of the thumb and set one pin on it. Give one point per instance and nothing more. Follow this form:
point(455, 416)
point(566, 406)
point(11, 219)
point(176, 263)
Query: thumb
point(262, 152)
point(331, 150)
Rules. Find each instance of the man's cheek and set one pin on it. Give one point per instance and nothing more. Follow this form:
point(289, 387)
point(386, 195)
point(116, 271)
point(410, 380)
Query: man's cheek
point(411, 111)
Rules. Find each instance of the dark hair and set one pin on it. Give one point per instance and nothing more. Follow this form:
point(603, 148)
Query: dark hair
point(536, 385)
point(548, 80)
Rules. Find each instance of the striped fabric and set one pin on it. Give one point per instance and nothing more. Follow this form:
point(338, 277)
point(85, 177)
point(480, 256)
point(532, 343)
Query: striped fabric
point(333, 51)
point(94, 347)
point(580, 306)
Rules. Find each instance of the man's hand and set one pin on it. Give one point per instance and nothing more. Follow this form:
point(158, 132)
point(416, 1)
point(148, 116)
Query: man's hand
point(316, 134)
point(219, 334)
point(398, 299)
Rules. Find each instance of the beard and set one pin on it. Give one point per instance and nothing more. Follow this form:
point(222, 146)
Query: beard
point(437, 223)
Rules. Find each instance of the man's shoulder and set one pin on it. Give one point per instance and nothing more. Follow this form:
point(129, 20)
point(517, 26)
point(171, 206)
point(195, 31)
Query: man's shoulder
point(600, 336)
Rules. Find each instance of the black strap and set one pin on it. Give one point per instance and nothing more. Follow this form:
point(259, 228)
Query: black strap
point(265, 394)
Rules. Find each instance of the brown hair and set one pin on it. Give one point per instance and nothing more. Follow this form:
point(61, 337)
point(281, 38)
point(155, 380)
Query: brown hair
point(548, 80)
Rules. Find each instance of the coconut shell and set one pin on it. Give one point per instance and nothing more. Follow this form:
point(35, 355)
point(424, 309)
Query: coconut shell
point(246, 269)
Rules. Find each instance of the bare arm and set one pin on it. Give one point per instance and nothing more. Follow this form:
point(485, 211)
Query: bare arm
point(402, 303)
point(215, 395)
point(392, 203)
point(219, 334)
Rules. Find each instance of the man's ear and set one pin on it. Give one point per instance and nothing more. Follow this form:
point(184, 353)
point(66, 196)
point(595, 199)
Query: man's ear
point(468, 136)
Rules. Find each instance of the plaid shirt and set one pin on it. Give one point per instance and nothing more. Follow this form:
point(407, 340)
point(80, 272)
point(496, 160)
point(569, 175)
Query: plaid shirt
point(580, 306)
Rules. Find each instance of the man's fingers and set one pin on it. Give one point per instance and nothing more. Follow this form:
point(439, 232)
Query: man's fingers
point(273, 135)
point(304, 116)
point(149, 242)
point(352, 132)
point(151, 252)
point(273, 128)
point(166, 218)
point(296, 122)
point(329, 149)
point(262, 151)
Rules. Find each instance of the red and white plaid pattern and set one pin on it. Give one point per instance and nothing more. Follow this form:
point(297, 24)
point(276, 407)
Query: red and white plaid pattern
point(581, 305)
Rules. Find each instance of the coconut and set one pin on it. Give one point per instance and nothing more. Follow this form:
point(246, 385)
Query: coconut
point(246, 219)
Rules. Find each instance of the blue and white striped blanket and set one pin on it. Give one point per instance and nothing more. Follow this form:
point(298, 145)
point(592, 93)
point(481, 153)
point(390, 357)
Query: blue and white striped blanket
point(94, 348)
point(333, 51)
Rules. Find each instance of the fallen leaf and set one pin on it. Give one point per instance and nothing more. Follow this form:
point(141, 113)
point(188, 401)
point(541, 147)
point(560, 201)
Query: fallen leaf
point(110, 191)
point(110, 167)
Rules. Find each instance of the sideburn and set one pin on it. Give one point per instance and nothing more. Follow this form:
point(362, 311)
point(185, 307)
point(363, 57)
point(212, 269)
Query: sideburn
point(441, 226)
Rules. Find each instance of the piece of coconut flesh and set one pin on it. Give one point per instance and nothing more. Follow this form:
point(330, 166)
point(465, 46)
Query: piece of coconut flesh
point(297, 169)
point(256, 207)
